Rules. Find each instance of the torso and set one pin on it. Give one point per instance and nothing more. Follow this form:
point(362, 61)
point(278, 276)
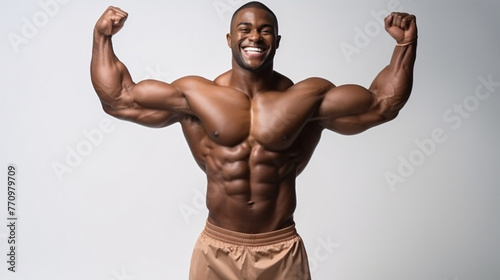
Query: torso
point(252, 148)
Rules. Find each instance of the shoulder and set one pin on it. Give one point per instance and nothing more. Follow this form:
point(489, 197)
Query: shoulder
point(192, 80)
point(190, 83)
point(315, 81)
point(223, 79)
point(314, 84)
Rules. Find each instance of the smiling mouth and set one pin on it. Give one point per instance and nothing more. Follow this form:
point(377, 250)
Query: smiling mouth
point(253, 50)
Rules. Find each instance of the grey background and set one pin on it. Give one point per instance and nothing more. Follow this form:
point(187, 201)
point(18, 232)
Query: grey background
point(132, 206)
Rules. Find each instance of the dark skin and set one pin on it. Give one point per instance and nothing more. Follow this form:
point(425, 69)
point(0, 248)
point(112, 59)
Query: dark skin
point(252, 130)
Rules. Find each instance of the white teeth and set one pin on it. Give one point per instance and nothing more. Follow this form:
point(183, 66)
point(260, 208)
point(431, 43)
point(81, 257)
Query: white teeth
point(252, 49)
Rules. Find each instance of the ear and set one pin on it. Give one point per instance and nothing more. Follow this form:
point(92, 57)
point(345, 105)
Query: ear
point(228, 38)
point(278, 39)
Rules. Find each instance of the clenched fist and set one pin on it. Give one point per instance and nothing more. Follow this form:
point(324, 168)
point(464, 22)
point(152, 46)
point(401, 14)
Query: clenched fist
point(402, 27)
point(111, 21)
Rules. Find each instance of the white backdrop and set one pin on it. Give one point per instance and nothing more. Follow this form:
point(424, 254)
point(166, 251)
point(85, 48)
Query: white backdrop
point(98, 198)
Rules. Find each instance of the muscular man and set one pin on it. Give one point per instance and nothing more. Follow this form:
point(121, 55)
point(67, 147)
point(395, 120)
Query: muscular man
point(252, 131)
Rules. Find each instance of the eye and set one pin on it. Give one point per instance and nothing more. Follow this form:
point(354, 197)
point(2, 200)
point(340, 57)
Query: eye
point(267, 31)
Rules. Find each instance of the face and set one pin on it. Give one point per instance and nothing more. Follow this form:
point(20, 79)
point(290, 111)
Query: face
point(253, 39)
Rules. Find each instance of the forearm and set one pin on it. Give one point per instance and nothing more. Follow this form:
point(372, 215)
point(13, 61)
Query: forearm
point(109, 76)
point(393, 85)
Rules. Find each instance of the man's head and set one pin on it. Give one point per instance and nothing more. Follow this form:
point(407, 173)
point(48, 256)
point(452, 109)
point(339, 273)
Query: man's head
point(257, 5)
point(254, 37)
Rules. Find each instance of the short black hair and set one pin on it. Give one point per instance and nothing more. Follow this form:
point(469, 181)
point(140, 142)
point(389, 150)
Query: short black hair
point(258, 5)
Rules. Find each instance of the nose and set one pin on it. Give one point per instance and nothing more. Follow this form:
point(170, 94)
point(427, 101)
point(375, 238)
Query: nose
point(254, 36)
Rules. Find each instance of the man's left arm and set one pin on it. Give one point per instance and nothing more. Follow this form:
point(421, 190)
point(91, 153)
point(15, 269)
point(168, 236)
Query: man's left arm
point(351, 109)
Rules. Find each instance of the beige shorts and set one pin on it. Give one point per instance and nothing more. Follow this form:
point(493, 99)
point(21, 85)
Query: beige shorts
point(221, 254)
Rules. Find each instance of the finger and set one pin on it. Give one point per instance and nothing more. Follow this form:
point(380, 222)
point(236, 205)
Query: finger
point(409, 21)
point(388, 21)
point(116, 14)
point(117, 10)
point(122, 14)
point(118, 18)
point(398, 19)
point(402, 20)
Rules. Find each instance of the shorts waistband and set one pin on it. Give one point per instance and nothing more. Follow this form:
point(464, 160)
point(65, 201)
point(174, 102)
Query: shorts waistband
point(247, 239)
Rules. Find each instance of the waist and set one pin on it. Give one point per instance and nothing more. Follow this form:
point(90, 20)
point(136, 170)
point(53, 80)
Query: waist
point(248, 239)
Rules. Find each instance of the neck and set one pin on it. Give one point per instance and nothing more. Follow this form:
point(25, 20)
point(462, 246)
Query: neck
point(252, 82)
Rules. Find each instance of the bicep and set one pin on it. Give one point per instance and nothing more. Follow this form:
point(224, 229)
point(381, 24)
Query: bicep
point(151, 103)
point(349, 109)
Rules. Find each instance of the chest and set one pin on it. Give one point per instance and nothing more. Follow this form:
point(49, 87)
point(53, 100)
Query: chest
point(273, 120)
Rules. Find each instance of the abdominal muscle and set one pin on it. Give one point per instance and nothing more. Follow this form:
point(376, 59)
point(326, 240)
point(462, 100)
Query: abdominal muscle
point(250, 189)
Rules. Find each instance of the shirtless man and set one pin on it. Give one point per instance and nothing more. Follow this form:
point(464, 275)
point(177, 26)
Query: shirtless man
point(252, 131)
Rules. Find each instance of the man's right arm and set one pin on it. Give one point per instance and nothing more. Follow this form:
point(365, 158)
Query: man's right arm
point(151, 103)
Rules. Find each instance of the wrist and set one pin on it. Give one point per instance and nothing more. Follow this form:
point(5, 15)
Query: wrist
point(100, 35)
point(402, 44)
